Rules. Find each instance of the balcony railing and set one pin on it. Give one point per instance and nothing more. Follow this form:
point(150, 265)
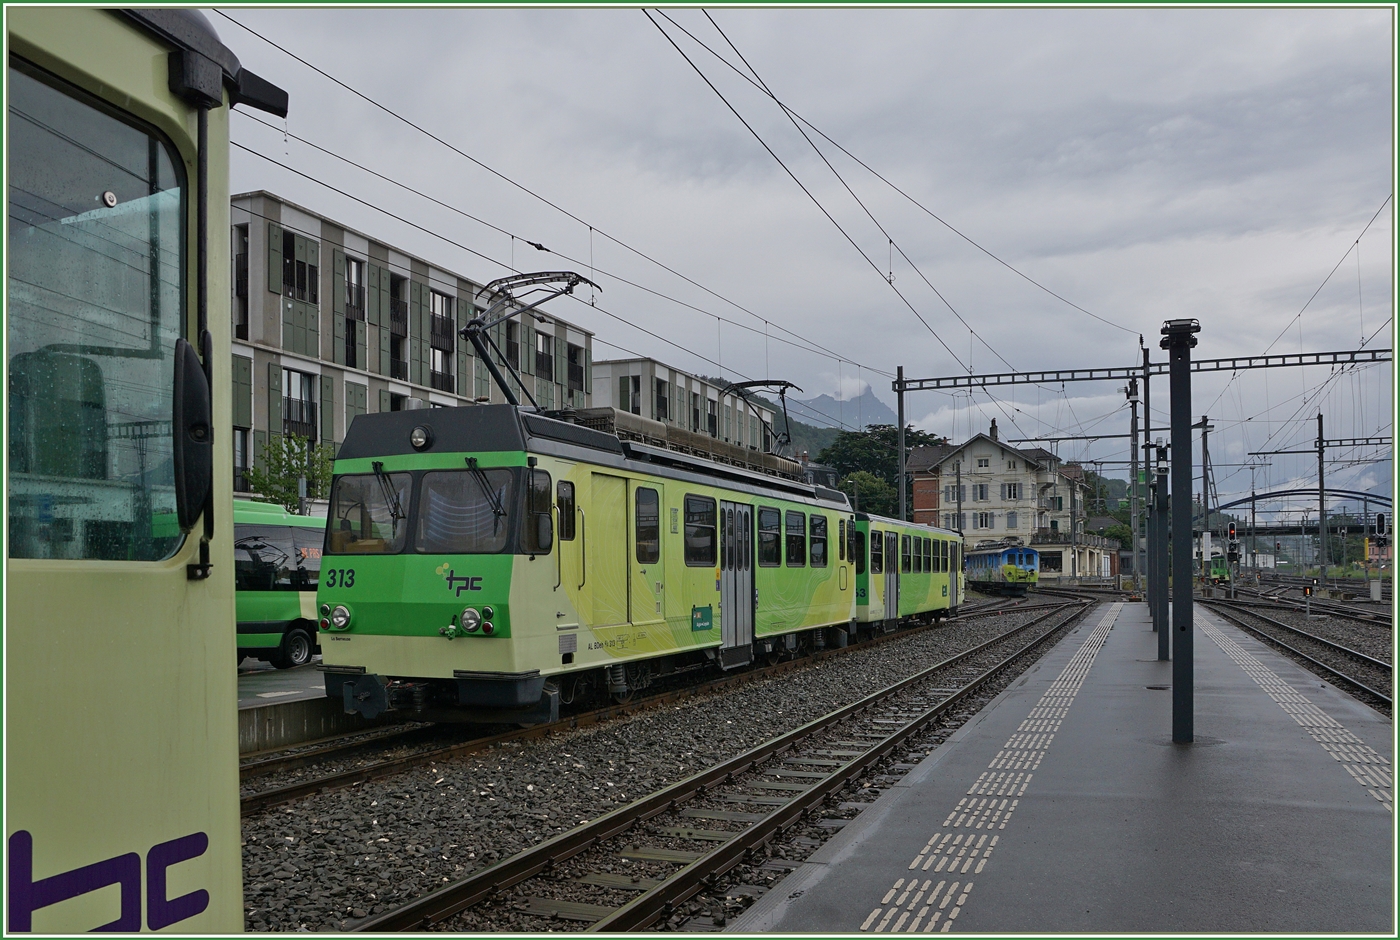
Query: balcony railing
point(398, 317)
point(355, 302)
point(513, 352)
point(240, 480)
point(576, 376)
point(240, 274)
point(299, 418)
point(544, 365)
point(442, 381)
point(442, 334)
point(398, 369)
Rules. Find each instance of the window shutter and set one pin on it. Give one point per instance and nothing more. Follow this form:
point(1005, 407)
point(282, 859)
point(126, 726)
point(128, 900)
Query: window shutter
point(274, 398)
point(383, 400)
point(561, 357)
point(327, 409)
point(372, 294)
point(274, 257)
point(355, 395)
point(384, 337)
point(360, 347)
point(587, 371)
point(338, 281)
point(259, 447)
point(1003, 491)
point(313, 331)
point(527, 348)
point(242, 392)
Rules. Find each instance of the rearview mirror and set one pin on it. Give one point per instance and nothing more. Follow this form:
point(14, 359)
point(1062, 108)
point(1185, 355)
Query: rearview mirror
point(544, 532)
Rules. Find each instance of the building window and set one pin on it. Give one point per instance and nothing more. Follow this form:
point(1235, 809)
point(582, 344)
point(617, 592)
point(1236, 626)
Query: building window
point(240, 460)
point(661, 400)
point(354, 289)
point(700, 531)
point(983, 520)
point(629, 394)
point(984, 462)
point(1011, 491)
point(544, 355)
point(513, 343)
point(299, 404)
point(712, 417)
point(769, 550)
point(440, 371)
point(695, 411)
point(953, 493)
point(796, 540)
point(1011, 465)
point(1011, 520)
point(979, 492)
point(398, 327)
point(575, 368)
point(240, 281)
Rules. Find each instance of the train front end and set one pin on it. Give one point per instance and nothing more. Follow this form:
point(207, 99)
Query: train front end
point(437, 550)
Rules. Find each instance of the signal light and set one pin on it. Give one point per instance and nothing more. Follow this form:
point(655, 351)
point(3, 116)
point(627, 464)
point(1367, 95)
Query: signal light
point(1307, 590)
point(1380, 523)
point(1231, 530)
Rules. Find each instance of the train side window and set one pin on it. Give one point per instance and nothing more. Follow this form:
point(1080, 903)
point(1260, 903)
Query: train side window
point(841, 539)
point(796, 540)
point(877, 552)
point(649, 526)
point(568, 519)
point(928, 554)
point(96, 290)
point(942, 556)
point(818, 541)
point(769, 538)
point(858, 549)
point(905, 560)
point(916, 561)
point(700, 532)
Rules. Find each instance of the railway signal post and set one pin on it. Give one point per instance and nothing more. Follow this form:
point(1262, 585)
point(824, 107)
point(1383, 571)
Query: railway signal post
point(1160, 566)
point(1178, 338)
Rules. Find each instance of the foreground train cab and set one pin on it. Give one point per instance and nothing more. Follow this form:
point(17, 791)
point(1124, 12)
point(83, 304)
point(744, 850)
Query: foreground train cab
point(488, 563)
point(1005, 566)
point(121, 757)
point(905, 570)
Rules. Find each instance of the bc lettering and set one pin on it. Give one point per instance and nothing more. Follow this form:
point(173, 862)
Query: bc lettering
point(28, 895)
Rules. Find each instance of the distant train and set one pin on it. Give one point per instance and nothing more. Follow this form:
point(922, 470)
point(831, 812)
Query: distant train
point(1005, 566)
point(491, 563)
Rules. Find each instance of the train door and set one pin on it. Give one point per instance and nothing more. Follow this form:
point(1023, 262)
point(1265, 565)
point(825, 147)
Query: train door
point(736, 584)
point(891, 576)
point(648, 581)
point(605, 546)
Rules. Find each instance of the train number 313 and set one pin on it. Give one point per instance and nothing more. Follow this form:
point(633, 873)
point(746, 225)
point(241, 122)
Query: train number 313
point(340, 577)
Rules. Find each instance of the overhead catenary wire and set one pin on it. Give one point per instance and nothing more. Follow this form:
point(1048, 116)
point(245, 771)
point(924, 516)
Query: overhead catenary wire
point(583, 301)
point(520, 186)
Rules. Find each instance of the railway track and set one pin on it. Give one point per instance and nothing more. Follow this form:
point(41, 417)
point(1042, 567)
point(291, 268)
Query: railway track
point(1367, 674)
point(678, 840)
point(1343, 611)
point(423, 751)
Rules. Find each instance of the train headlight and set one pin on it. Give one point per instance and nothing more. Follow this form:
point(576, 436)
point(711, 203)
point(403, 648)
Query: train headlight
point(340, 617)
point(471, 620)
point(420, 437)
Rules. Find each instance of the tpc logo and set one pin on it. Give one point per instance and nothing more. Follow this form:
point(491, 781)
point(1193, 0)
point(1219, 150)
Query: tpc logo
point(28, 895)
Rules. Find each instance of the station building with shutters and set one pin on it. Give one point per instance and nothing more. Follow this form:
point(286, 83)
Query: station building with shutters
point(330, 323)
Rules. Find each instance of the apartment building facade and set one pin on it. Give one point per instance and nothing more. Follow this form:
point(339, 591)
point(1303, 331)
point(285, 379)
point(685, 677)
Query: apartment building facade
point(330, 323)
point(664, 393)
point(989, 490)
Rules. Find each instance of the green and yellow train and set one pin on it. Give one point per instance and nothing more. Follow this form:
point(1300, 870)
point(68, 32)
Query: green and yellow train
point(488, 563)
point(277, 568)
point(905, 571)
point(121, 747)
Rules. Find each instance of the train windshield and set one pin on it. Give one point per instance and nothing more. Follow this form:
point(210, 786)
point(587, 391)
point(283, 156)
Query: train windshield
point(466, 512)
point(369, 514)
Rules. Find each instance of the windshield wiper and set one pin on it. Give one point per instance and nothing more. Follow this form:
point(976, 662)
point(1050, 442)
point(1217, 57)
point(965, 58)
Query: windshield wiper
point(491, 496)
point(387, 486)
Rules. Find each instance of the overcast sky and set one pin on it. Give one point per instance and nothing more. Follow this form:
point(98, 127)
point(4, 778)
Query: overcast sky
point(1141, 164)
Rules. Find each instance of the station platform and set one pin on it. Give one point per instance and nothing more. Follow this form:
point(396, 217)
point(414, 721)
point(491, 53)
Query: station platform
point(1064, 806)
point(260, 684)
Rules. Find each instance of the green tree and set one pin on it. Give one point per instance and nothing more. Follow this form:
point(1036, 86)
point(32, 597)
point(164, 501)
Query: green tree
point(277, 473)
point(869, 493)
point(874, 450)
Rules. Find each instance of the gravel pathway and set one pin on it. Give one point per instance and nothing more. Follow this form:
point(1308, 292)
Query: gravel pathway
point(343, 855)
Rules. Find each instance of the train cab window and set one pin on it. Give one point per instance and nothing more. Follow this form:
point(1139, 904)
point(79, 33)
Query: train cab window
point(905, 559)
point(796, 540)
point(568, 518)
point(877, 552)
point(461, 512)
point(700, 539)
point(648, 504)
point(538, 534)
point(858, 549)
point(369, 511)
point(818, 550)
point(769, 538)
point(96, 289)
